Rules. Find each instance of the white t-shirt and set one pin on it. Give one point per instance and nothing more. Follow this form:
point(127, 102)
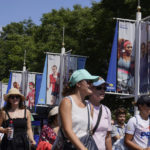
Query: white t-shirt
point(140, 128)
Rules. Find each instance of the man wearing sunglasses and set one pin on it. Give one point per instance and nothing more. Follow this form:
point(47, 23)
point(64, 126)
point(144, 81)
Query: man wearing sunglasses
point(102, 135)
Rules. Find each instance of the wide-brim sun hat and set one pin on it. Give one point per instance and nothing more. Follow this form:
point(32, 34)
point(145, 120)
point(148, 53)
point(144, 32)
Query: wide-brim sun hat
point(100, 82)
point(81, 74)
point(13, 91)
point(53, 111)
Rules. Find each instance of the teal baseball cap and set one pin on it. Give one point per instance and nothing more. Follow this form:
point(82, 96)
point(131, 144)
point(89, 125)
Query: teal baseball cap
point(81, 74)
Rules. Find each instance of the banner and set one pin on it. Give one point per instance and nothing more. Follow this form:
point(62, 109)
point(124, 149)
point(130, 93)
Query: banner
point(53, 79)
point(144, 58)
point(16, 80)
point(4, 90)
point(30, 97)
point(111, 77)
point(50, 84)
point(126, 56)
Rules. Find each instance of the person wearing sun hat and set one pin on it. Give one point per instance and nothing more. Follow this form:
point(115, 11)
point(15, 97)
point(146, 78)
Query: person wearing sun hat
point(50, 130)
point(15, 110)
point(73, 109)
point(102, 134)
point(137, 132)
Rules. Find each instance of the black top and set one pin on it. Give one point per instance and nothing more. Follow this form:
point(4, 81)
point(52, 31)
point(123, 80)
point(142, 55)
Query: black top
point(20, 140)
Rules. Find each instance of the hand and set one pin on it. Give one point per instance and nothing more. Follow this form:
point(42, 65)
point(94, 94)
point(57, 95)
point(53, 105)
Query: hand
point(33, 143)
point(8, 130)
point(146, 148)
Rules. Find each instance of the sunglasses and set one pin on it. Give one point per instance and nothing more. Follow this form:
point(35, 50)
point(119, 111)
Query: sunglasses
point(100, 88)
point(14, 96)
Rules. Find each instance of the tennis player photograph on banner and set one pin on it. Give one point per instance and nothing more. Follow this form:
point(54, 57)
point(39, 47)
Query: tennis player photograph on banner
point(126, 48)
point(53, 78)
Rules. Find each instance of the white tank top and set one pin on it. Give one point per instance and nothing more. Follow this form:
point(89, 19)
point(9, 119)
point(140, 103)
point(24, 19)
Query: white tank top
point(80, 119)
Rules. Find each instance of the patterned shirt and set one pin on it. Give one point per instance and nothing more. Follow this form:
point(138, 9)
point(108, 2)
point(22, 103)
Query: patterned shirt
point(47, 134)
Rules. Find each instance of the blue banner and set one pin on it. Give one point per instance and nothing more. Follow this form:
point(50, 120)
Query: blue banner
point(38, 85)
point(81, 62)
point(43, 90)
point(112, 70)
point(9, 82)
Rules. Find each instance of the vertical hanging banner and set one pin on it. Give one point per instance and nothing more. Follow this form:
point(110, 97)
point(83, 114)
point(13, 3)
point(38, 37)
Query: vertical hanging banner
point(70, 65)
point(111, 77)
point(53, 79)
point(4, 90)
point(30, 97)
point(16, 80)
point(148, 48)
point(144, 58)
point(126, 56)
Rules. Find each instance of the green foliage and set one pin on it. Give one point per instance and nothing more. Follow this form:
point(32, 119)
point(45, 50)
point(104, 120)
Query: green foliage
point(88, 31)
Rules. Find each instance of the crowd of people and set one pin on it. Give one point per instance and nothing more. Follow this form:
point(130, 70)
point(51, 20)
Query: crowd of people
point(80, 122)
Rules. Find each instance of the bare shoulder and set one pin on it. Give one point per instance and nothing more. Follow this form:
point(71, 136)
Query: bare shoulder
point(65, 104)
point(2, 114)
point(28, 113)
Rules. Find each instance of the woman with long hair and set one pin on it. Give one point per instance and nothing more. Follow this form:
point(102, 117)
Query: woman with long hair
point(15, 112)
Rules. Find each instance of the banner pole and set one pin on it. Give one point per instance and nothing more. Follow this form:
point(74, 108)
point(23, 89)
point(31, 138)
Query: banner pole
point(137, 57)
point(61, 69)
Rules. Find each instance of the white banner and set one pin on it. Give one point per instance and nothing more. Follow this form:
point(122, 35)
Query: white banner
point(144, 59)
point(53, 77)
point(16, 80)
point(4, 90)
point(30, 97)
point(126, 48)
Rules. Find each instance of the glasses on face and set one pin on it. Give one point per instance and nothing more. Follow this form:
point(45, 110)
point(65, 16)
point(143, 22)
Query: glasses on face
point(14, 96)
point(101, 88)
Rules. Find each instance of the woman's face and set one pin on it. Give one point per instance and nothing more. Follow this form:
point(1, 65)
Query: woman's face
point(128, 49)
point(98, 94)
point(14, 99)
point(84, 86)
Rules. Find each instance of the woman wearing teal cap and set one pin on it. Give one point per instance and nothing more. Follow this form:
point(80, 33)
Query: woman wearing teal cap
point(73, 107)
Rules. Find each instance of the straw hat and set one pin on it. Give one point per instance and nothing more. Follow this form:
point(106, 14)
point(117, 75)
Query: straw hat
point(13, 91)
point(53, 111)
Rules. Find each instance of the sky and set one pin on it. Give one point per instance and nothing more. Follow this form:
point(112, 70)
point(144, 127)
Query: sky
point(18, 10)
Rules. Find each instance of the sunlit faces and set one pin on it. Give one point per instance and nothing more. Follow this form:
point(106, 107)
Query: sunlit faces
point(121, 118)
point(99, 92)
point(85, 86)
point(14, 99)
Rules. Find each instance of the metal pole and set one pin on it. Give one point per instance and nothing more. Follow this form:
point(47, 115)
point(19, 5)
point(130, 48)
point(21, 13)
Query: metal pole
point(61, 69)
point(137, 56)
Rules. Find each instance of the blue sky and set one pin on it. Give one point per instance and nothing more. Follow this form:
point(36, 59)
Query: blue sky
point(18, 10)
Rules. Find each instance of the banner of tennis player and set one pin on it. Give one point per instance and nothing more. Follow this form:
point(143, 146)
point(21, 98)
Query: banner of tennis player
point(122, 59)
point(31, 85)
point(49, 91)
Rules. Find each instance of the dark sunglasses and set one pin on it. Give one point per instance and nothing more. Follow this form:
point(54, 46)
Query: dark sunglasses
point(14, 96)
point(100, 88)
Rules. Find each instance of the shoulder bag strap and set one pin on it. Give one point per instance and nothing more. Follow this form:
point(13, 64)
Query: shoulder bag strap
point(98, 119)
point(7, 114)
